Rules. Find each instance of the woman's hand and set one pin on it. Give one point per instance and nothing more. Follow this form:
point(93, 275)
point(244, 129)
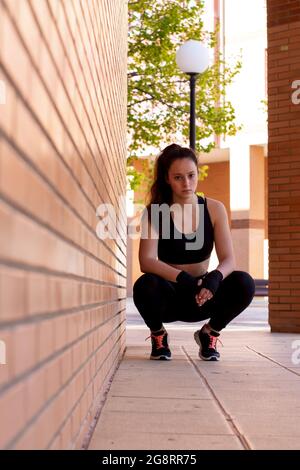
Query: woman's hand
point(203, 295)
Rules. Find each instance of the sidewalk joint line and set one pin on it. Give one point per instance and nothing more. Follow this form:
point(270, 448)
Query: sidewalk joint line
point(273, 360)
point(226, 415)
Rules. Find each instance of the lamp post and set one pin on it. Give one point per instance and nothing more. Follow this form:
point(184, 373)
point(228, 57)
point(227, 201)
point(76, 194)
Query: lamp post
point(192, 58)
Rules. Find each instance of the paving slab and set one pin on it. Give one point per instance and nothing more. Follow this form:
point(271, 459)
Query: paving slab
point(153, 441)
point(247, 400)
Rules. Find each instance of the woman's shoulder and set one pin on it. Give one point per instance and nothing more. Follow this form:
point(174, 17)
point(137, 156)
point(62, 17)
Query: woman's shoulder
point(214, 203)
point(215, 208)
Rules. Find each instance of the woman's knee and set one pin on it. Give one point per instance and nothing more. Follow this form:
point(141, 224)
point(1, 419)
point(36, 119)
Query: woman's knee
point(243, 282)
point(148, 282)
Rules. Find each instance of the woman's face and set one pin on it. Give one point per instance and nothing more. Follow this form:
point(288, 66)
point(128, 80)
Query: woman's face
point(183, 177)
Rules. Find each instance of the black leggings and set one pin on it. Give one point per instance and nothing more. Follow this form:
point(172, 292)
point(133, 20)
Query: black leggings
point(159, 300)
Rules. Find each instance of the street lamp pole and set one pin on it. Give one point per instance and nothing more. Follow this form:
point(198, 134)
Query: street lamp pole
point(193, 78)
point(192, 58)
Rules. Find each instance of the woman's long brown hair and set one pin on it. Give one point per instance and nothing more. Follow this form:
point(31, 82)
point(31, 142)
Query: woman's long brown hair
point(160, 191)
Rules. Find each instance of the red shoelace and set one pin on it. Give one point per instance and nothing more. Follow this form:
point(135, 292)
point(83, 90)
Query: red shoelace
point(158, 340)
point(213, 341)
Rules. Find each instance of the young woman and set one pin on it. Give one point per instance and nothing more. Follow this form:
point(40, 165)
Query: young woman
point(176, 285)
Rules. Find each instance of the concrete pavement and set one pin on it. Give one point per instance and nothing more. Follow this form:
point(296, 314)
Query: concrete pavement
point(250, 399)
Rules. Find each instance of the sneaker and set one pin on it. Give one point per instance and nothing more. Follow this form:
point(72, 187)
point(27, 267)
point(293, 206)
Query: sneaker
point(207, 343)
point(160, 347)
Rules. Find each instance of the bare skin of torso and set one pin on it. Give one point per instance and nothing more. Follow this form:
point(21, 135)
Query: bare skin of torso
point(197, 269)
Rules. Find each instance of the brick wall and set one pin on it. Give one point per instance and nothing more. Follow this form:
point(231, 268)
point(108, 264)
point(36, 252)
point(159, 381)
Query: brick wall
point(62, 153)
point(217, 184)
point(284, 165)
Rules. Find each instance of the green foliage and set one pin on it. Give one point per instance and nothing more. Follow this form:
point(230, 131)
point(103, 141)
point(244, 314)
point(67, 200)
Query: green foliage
point(264, 103)
point(140, 179)
point(158, 93)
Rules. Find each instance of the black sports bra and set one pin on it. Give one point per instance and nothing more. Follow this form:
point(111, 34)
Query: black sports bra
point(176, 249)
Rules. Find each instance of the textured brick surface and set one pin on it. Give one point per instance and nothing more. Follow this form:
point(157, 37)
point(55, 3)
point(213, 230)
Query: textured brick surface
point(284, 165)
point(62, 153)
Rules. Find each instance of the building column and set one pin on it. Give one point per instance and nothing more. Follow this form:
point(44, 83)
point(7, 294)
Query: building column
point(247, 204)
point(284, 164)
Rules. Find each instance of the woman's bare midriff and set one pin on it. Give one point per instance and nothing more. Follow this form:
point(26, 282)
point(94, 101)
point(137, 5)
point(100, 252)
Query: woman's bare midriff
point(195, 269)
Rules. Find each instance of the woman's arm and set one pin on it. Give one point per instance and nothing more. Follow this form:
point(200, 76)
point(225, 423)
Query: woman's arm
point(224, 249)
point(223, 241)
point(149, 263)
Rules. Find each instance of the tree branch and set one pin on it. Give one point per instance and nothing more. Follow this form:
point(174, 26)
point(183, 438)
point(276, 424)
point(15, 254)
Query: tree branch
point(155, 98)
point(138, 102)
point(132, 74)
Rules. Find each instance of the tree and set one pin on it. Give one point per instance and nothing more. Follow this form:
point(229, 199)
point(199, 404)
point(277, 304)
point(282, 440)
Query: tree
point(158, 93)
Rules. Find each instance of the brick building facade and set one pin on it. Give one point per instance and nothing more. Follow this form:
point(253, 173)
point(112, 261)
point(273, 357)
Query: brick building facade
point(284, 165)
point(62, 153)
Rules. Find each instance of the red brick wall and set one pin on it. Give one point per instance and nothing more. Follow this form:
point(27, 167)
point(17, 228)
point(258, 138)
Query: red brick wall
point(62, 153)
point(284, 165)
point(217, 184)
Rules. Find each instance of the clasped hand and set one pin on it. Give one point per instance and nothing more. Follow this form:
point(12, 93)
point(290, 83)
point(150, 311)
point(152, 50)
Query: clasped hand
point(203, 295)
